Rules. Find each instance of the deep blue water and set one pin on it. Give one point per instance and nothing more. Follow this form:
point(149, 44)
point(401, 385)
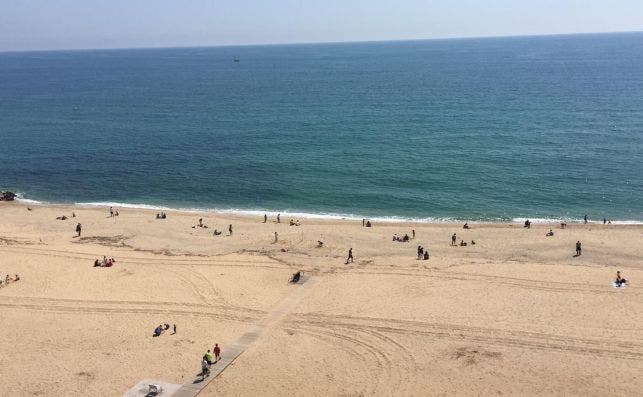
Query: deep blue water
point(540, 127)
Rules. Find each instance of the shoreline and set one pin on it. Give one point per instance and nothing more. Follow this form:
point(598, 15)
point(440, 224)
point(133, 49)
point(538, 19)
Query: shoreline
point(513, 304)
point(249, 213)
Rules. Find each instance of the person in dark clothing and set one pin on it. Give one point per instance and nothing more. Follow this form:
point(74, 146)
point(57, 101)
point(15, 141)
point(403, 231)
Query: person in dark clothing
point(453, 239)
point(350, 256)
point(578, 248)
point(230, 229)
point(79, 228)
point(420, 251)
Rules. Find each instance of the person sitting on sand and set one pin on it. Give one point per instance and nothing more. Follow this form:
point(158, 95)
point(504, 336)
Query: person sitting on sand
point(528, 224)
point(551, 233)
point(158, 331)
point(406, 238)
point(297, 223)
point(18, 278)
point(473, 242)
point(295, 277)
point(200, 222)
point(426, 255)
point(158, 216)
point(620, 281)
point(217, 233)
point(163, 215)
point(420, 251)
point(368, 224)
point(466, 226)
point(110, 262)
point(292, 222)
point(320, 243)
point(563, 225)
point(7, 279)
point(463, 243)
point(96, 263)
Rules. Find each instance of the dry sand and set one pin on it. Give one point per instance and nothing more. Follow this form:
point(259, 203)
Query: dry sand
point(514, 314)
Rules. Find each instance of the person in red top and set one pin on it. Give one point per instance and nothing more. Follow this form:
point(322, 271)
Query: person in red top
point(217, 352)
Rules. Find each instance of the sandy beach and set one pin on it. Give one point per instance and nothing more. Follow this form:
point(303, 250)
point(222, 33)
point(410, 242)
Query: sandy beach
point(514, 314)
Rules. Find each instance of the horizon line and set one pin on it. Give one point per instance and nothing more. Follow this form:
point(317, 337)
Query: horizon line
point(320, 42)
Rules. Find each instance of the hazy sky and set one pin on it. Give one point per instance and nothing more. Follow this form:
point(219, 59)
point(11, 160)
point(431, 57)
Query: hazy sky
point(66, 24)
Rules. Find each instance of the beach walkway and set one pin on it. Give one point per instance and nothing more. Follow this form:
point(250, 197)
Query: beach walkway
point(231, 352)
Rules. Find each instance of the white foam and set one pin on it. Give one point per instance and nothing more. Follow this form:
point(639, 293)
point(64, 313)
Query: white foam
point(287, 214)
point(21, 198)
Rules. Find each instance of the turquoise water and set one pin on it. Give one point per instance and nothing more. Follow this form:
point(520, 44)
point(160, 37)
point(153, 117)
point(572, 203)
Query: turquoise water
point(478, 129)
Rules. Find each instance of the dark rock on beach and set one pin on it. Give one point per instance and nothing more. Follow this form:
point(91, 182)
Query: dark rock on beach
point(7, 196)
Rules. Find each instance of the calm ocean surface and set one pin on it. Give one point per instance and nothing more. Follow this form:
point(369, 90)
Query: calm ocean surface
point(477, 129)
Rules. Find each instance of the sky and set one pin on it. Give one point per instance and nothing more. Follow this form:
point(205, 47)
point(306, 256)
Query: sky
point(83, 24)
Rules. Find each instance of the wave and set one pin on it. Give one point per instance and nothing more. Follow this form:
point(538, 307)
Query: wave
point(20, 197)
point(294, 214)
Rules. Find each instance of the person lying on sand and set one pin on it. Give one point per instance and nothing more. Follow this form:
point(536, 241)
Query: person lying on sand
point(295, 277)
point(61, 218)
point(158, 331)
point(620, 281)
point(216, 232)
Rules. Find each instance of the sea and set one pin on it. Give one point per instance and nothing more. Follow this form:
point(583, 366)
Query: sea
point(488, 129)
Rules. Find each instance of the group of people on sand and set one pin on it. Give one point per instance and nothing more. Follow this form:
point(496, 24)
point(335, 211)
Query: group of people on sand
point(161, 215)
point(366, 223)
point(207, 360)
point(64, 217)
point(401, 239)
point(454, 241)
point(423, 253)
point(219, 232)
point(105, 262)
point(200, 224)
point(8, 279)
point(112, 212)
point(159, 330)
point(295, 223)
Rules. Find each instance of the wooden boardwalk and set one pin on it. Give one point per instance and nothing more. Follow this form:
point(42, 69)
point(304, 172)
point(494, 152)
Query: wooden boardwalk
point(231, 352)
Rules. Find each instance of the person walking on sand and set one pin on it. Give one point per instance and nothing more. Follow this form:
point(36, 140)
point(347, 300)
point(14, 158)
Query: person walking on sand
point(276, 237)
point(217, 352)
point(265, 218)
point(174, 329)
point(230, 229)
point(278, 218)
point(111, 212)
point(578, 248)
point(453, 239)
point(585, 218)
point(363, 222)
point(350, 256)
point(79, 228)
